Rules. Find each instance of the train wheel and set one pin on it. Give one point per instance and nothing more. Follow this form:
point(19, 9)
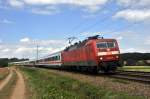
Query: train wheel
point(95, 70)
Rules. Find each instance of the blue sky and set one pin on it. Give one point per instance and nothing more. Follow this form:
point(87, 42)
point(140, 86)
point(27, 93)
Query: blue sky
point(50, 22)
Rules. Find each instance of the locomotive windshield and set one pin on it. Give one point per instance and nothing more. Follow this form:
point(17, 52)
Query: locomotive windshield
point(106, 45)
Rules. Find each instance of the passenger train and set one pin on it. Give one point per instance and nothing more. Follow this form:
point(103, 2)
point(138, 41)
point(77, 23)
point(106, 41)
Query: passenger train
point(93, 54)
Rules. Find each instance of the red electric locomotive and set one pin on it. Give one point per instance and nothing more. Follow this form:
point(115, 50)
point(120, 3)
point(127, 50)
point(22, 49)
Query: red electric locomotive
point(93, 54)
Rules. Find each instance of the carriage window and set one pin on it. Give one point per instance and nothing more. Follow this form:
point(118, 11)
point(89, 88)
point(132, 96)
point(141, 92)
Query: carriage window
point(58, 57)
point(53, 58)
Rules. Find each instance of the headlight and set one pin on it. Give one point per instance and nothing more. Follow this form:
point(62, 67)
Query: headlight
point(101, 58)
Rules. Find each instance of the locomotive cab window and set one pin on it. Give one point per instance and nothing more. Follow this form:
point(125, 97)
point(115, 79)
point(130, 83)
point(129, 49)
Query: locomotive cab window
point(111, 44)
point(106, 45)
point(102, 45)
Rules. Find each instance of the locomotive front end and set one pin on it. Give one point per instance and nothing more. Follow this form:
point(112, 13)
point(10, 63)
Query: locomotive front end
point(107, 54)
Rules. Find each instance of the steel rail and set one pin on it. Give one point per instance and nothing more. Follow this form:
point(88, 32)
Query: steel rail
point(143, 77)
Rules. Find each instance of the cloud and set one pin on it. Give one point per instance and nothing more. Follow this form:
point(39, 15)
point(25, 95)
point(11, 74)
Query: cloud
point(132, 50)
point(50, 10)
point(128, 50)
point(40, 6)
point(147, 41)
point(5, 50)
point(87, 34)
point(27, 47)
point(25, 40)
point(28, 41)
point(6, 21)
point(16, 3)
point(119, 38)
point(23, 49)
point(69, 2)
point(134, 10)
point(134, 15)
point(52, 42)
point(125, 2)
point(133, 3)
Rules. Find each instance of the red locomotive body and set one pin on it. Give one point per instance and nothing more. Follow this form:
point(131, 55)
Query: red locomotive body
point(93, 54)
point(80, 55)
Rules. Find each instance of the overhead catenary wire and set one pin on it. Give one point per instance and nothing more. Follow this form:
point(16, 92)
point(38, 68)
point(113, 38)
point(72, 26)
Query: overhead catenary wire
point(82, 23)
point(102, 21)
point(131, 25)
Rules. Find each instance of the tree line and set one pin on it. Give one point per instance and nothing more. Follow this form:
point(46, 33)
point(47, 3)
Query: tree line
point(135, 59)
point(4, 61)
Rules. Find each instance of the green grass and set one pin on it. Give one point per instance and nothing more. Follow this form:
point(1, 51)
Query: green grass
point(46, 85)
point(3, 75)
point(136, 68)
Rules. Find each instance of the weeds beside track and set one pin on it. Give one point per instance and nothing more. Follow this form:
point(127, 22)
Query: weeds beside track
point(47, 85)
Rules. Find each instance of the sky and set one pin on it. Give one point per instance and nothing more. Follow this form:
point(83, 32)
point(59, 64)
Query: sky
point(24, 24)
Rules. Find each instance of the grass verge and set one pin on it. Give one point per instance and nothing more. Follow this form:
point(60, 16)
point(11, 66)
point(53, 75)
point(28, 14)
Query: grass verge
point(46, 85)
point(136, 68)
point(7, 90)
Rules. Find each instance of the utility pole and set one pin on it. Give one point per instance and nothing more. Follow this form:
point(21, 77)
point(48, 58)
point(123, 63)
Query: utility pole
point(37, 52)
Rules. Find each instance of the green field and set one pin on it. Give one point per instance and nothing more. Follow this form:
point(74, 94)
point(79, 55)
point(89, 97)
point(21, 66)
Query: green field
point(136, 68)
point(46, 85)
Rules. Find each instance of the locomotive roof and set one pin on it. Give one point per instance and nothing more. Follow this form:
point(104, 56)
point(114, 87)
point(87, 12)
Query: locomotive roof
point(76, 45)
point(83, 43)
point(106, 40)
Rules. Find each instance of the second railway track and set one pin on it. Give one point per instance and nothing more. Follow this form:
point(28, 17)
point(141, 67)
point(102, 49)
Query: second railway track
point(143, 77)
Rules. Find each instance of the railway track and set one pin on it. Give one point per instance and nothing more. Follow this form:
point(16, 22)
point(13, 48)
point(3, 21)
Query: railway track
point(143, 77)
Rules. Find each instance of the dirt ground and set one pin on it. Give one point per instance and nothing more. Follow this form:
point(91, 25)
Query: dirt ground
point(129, 87)
point(6, 80)
point(19, 90)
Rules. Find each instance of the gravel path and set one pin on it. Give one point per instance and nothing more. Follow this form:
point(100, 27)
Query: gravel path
point(132, 88)
point(6, 80)
point(19, 91)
